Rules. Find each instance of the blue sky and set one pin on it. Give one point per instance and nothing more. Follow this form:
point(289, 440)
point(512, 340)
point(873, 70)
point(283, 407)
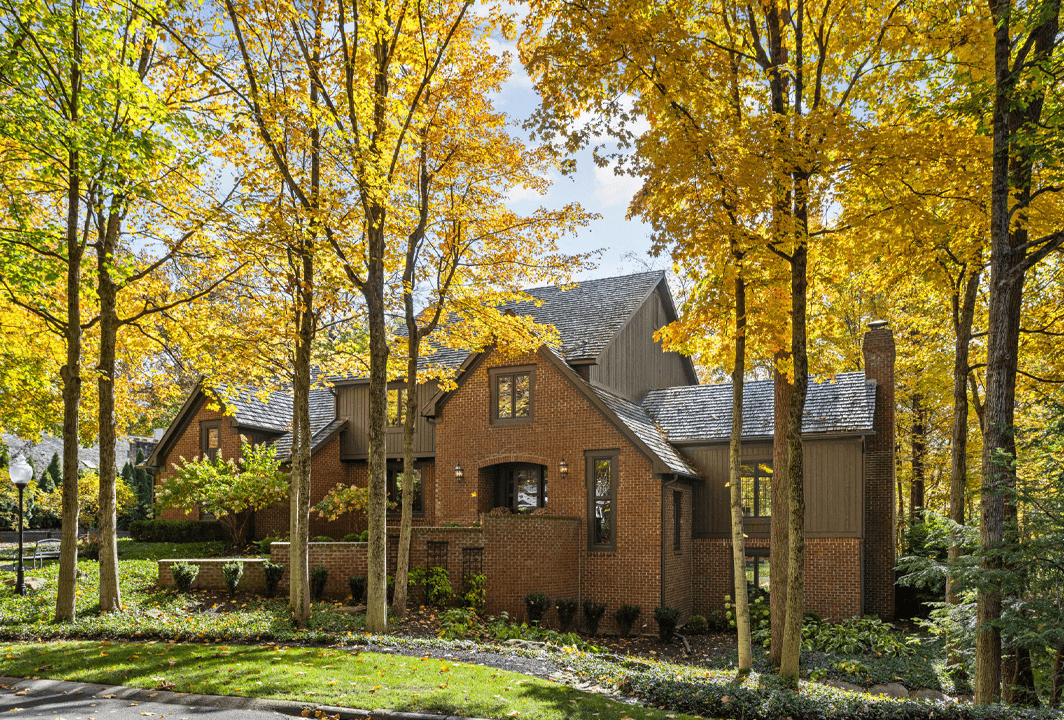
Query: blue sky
point(597, 189)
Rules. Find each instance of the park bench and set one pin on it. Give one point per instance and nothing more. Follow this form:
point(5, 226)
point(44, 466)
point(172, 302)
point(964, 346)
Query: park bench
point(45, 549)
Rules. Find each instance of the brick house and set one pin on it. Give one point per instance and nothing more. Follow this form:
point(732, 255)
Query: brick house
point(595, 469)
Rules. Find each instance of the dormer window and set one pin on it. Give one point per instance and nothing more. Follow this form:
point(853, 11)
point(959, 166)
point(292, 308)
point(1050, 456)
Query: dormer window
point(511, 395)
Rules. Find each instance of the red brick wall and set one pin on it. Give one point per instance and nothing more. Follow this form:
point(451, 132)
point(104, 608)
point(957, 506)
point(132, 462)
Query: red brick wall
point(879, 478)
point(679, 576)
point(210, 574)
point(565, 424)
point(832, 575)
point(188, 447)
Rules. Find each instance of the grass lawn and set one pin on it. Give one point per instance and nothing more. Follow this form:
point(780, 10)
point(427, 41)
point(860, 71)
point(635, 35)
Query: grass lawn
point(316, 675)
point(150, 611)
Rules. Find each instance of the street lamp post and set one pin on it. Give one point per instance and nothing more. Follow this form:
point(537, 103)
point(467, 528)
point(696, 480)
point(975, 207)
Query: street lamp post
point(21, 473)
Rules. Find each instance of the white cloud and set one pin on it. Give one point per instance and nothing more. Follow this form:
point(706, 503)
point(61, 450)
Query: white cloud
point(612, 189)
point(518, 77)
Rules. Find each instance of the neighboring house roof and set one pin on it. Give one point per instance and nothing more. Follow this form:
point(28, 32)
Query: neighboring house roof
point(639, 423)
point(844, 403)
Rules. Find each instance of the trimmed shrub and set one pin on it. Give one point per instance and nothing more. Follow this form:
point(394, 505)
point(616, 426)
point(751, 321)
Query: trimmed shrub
point(232, 572)
point(176, 531)
point(273, 572)
point(593, 613)
point(264, 544)
point(321, 538)
point(352, 537)
point(318, 577)
point(626, 616)
point(566, 614)
point(696, 625)
point(537, 604)
point(357, 583)
point(438, 590)
point(184, 575)
point(667, 619)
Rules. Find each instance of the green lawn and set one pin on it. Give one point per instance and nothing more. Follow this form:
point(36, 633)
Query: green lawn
point(317, 675)
point(151, 612)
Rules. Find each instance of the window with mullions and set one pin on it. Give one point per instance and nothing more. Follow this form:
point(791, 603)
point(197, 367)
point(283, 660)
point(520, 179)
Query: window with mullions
point(511, 395)
point(757, 489)
point(395, 489)
point(757, 569)
point(602, 499)
point(396, 407)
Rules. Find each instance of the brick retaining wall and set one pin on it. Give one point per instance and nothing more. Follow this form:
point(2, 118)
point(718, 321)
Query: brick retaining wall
point(210, 574)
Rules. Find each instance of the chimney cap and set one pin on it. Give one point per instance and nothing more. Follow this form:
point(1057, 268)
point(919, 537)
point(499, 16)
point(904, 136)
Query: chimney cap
point(877, 324)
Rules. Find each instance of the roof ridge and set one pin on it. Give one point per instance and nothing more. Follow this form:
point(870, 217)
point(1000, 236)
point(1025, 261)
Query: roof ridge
point(593, 280)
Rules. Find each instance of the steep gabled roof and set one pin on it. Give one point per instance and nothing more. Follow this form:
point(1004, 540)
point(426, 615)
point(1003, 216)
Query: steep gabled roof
point(639, 423)
point(321, 431)
point(842, 404)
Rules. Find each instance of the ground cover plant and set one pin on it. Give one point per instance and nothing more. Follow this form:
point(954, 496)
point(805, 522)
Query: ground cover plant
point(318, 675)
point(153, 612)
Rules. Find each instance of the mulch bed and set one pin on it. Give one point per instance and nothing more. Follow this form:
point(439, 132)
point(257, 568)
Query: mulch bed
point(705, 649)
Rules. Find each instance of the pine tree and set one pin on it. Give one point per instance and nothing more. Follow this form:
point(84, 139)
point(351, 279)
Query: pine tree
point(52, 476)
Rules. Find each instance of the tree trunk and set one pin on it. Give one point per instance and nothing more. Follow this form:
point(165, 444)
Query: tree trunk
point(377, 506)
point(781, 503)
point(792, 628)
point(919, 454)
point(110, 598)
point(963, 317)
point(71, 372)
point(402, 565)
point(1058, 677)
point(742, 607)
point(299, 481)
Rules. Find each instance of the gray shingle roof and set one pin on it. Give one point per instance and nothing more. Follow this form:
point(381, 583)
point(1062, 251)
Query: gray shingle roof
point(638, 421)
point(588, 314)
point(269, 412)
point(842, 404)
point(320, 432)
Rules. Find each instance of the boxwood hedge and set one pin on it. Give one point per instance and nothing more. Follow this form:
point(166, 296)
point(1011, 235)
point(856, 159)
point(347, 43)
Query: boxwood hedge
point(176, 531)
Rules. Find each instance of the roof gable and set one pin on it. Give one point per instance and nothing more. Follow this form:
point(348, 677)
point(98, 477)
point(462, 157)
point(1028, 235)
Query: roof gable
point(843, 404)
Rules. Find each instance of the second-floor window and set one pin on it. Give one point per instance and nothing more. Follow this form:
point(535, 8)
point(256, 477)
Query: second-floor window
point(210, 439)
point(511, 395)
point(396, 407)
point(757, 489)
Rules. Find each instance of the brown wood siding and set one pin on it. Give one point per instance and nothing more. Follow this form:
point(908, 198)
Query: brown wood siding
point(634, 363)
point(352, 402)
point(834, 481)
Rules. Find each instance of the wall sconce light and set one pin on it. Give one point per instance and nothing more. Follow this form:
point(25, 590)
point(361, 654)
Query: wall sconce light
point(458, 473)
point(563, 468)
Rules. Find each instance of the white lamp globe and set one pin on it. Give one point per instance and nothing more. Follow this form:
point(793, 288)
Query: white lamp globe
point(20, 471)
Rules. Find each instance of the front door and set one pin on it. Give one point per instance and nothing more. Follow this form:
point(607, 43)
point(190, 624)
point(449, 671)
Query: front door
point(522, 487)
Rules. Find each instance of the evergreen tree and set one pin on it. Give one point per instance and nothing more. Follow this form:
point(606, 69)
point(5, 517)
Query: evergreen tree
point(52, 476)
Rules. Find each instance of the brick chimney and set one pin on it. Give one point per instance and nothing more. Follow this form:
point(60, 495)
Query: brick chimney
point(878, 543)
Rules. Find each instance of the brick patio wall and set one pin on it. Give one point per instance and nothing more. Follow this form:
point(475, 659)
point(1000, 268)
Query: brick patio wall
point(832, 575)
point(210, 574)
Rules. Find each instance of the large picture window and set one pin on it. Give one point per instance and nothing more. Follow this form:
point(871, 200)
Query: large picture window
point(395, 489)
point(522, 487)
point(511, 395)
point(210, 439)
point(602, 499)
point(757, 489)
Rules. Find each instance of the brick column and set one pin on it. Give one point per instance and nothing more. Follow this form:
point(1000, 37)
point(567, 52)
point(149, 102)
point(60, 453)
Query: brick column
point(879, 475)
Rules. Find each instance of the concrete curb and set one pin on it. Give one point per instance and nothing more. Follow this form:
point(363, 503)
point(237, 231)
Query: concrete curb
point(224, 702)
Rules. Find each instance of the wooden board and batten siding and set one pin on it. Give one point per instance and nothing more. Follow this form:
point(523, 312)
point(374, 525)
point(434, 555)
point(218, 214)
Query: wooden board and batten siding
point(633, 363)
point(352, 402)
point(834, 482)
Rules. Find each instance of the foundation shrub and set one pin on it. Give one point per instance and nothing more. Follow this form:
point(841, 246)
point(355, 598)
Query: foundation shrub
point(696, 625)
point(318, 577)
point(232, 572)
point(667, 619)
point(593, 613)
point(273, 572)
point(176, 531)
point(264, 544)
point(354, 537)
point(321, 538)
point(537, 604)
point(184, 575)
point(626, 616)
point(566, 613)
point(357, 584)
point(475, 593)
